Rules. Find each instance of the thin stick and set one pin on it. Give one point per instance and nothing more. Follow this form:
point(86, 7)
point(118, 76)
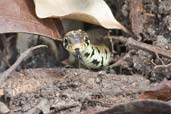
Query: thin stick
point(7, 73)
point(149, 48)
point(121, 60)
point(162, 66)
point(143, 46)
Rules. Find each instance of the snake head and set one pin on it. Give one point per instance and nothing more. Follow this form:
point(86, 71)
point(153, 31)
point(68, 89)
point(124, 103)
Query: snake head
point(76, 40)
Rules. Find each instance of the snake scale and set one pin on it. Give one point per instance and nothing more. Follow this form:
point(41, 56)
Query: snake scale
point(77, 43)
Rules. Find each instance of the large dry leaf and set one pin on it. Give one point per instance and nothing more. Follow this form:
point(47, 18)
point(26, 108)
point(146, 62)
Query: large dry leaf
point(19, 16)
point(92, 11)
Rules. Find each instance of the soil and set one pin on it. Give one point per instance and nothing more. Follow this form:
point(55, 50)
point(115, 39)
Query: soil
point(47, 86)
point(69, 89)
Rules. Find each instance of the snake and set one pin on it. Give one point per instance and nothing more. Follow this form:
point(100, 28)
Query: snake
point(79, 46)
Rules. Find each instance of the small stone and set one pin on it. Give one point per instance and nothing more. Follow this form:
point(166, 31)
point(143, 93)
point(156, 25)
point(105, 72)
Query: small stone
point(101, 73)
point(3, 108)
point(167, 47)
point(75, 73)
point(98, 80)
point(44, 106)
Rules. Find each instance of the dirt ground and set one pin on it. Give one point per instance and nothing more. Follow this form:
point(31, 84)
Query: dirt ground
point(43, 85)
point(71, 89)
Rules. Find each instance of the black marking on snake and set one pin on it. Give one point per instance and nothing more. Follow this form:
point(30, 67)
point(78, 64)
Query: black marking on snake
point(92, 52)
point(102, 62)
point(95, 62)
point(65, 45)
point(87, 42)
point(106, 53)
point(86, 54)
point(98, 50)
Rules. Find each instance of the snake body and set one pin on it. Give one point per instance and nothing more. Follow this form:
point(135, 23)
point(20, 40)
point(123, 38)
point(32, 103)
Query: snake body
point(92, 56)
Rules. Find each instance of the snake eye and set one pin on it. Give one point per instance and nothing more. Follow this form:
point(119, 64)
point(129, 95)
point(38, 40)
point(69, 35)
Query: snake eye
point(65, 42)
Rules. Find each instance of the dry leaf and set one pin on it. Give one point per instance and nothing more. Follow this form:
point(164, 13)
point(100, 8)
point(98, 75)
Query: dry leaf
point(162, 91)
point(19, 16)
point(92, 11)
point(147, 106)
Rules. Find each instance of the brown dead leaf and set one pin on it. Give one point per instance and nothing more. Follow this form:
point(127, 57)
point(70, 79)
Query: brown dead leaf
point(147, 106)
point(92, 11)
point(162, 91)
point(19, 16)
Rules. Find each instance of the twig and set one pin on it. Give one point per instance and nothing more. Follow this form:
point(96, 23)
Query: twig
point(162, 66)
point(63, 108)
point(143, 46)
point(6, 73)
point(149, 48)
point(158, 57)
point(121, 60)
point(152, 61)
